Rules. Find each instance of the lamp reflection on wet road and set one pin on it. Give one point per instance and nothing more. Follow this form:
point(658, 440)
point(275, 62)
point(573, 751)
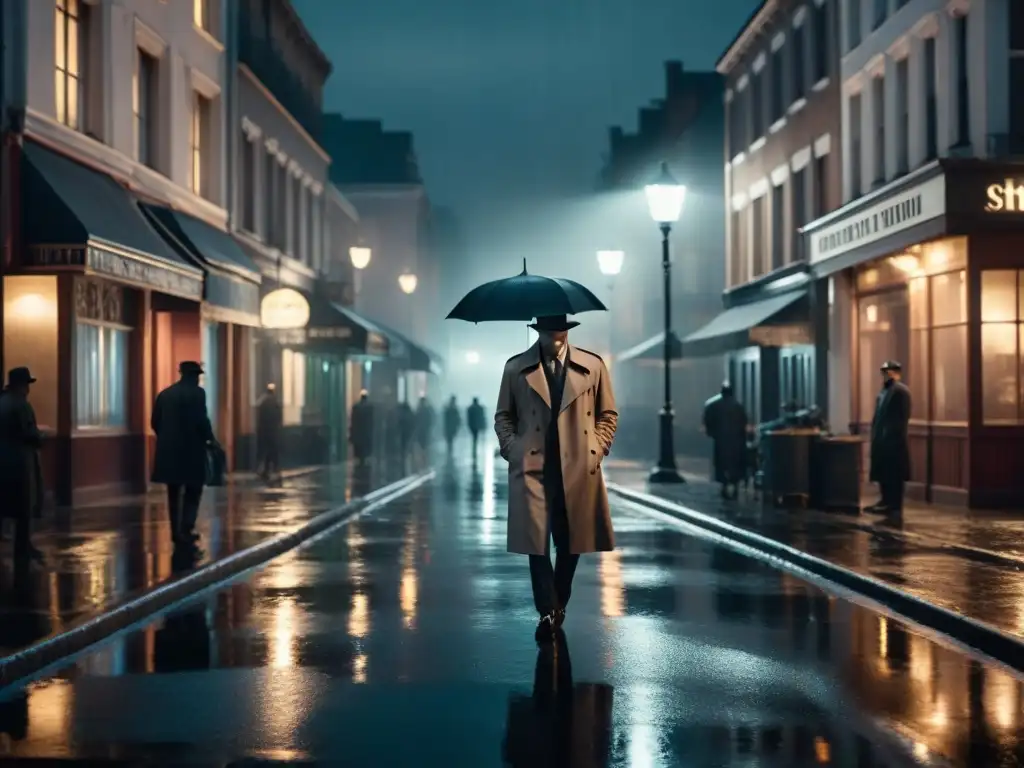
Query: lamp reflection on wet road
point(613, 594)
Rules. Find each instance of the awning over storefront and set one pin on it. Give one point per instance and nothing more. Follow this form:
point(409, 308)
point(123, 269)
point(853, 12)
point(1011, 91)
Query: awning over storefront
point(327, 328)
point(414, 356)
point(232, 286)
point(652, 351)
point(80, 218)
point(759, 323)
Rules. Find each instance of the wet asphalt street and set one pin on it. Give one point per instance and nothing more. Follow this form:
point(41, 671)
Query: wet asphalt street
point(406, 638)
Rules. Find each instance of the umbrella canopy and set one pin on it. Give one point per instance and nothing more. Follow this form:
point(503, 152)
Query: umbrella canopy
point(524, 297)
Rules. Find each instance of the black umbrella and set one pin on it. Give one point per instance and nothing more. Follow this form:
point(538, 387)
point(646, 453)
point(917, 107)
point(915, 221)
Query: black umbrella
point(524, 297)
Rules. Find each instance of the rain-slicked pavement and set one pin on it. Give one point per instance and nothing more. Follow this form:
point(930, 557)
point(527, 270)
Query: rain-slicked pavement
point(99, 555)
point(406, 639)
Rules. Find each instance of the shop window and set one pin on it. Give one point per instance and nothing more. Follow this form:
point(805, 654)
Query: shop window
point(101, 376)
point(920, 348)
point(293, 386)
point(949, 347)
point(1002, 340)
point(884, 324)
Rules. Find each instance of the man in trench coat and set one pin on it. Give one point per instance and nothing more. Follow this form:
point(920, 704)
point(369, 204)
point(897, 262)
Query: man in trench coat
point(725, 422)
point(890, 444)
point(555, 423)
point(183, 434)
point(21, 487)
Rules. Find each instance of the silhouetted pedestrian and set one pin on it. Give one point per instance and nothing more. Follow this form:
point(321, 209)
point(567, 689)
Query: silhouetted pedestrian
point(406, 428)
point(890, 443)
point(269, 421)
point(452, 422)
point(725, 422)
point(183, 437)
point(361, 426)
point(475, 421)
point(21, 486)
point(425, 418)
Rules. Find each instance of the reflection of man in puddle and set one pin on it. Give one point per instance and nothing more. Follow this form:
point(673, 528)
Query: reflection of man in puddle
point(561, 723)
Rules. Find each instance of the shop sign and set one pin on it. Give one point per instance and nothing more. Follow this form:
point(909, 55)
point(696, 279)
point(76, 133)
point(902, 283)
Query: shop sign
point(899, 212)
point(781, 335)
point(1007, 197)
point(337, 332)
point(284, 309)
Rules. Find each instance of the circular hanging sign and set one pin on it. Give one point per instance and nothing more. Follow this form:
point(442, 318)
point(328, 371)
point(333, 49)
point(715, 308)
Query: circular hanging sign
point(284, 309)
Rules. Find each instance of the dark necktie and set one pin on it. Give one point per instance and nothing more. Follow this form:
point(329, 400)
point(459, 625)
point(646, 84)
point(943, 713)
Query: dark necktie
point(556, 369)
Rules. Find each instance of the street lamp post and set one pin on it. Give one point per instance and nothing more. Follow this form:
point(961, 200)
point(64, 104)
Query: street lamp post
point(610, 264)
point(665, 197)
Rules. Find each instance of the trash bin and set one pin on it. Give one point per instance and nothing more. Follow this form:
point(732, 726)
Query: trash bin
point(787, 465)
point(838, 469)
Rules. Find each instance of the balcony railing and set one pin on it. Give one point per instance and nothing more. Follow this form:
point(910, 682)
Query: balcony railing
point(267, 65)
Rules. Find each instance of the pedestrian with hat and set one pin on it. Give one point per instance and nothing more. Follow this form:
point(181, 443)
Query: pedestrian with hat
point(890, 444)
point(21, 487)
point(183, 437)
point(555, 422)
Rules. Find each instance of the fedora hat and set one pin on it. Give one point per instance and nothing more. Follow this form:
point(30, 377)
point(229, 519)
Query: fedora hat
point(891, 365)
point(553, 323)
point(190, 366)
point(20, 376)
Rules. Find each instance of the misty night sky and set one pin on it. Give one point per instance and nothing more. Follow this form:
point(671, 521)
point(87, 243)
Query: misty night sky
point(510, 101)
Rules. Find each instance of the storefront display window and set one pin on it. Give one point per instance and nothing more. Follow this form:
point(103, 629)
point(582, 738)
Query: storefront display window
point(101, 376)
point(293, 386)
point(884, 335)
point(1002, 342)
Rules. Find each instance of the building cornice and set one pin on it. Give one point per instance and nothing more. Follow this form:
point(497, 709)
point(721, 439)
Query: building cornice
point(750, 32)
point(265, 92)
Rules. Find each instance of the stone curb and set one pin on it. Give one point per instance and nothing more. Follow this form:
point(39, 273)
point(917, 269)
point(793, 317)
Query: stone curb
point(1004, 648)
point(28, 661)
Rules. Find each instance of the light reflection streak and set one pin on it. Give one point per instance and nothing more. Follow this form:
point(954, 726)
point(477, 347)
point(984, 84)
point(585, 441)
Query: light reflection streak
point(613, 596)
point(355, 541)
point(282, 645)
point(359, 668)
point(409, 585)
point(49, 705)
point(359, 615)
point(489, 511)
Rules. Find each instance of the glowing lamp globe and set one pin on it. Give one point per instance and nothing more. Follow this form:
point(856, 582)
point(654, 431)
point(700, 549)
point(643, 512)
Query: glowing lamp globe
point(610, 262)
point(408, 283)
point(665, 197)
point(360, 256)
point(472, 357)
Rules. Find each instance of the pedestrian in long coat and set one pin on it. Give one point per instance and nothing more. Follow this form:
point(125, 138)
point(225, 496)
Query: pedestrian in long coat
point(183, 436)
point(360, 428)
point(555, 422)
point(425, 418)
point(890, 444)
point(475, 421)
point(21, 487)
point(725, 422)
point(269, 422)
point(452, 422)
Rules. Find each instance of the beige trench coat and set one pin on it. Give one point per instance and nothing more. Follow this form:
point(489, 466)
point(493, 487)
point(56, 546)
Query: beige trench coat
point(586, 428)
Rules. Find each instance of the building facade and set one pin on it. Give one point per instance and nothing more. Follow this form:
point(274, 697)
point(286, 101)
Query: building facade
point(400, 290)
point(923, 261)
point(683, 128)
point(118, 265)
point(782, 170)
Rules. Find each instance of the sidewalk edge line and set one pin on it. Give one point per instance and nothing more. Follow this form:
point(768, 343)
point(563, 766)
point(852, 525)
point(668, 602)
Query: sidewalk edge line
point(1001, 647)
point(27, 661)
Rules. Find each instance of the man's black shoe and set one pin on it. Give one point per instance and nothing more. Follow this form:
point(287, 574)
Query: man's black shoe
point(545, 632)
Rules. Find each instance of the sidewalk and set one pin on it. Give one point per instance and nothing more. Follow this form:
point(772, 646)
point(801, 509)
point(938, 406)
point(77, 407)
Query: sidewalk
point(968, 563)
point(100, 555)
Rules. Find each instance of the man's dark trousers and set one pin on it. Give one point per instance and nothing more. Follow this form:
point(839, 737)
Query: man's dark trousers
point(552, 586)
point(183, 506)
point(892, 494)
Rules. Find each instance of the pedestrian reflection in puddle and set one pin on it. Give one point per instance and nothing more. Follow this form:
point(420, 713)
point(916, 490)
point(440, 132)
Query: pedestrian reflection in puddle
point(561, 723)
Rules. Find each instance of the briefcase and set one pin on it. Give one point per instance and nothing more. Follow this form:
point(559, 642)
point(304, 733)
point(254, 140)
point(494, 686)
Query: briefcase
point(216, 465)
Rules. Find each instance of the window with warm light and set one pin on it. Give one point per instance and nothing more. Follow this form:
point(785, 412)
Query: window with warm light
point(201, 14)
point(293, 386)
point(198, 141)
point(1002, 346)
point(69, 57)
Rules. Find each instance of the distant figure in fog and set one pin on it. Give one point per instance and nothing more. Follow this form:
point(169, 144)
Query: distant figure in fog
point(425, 418)
point(21, 477)
point(725, 422)
point(183, 434)
point(360, 430)
point(452, 422)
point(406, 428)
point(890, 445)
point(475, 421)
point(269, 420)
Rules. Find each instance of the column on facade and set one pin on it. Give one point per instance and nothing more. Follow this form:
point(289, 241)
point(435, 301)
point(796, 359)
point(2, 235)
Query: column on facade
point(945, 84)
point(840, 352)
point(917, 99)
point(893, 116)
point(848, 91)
point(870, 120)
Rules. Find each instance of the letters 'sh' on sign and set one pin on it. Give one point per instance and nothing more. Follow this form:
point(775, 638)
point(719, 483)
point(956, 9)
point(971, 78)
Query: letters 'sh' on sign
point(1007, 197)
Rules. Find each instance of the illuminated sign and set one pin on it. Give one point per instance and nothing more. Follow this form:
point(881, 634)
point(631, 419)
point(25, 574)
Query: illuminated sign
point(1007, 197)
point(916, 205)
point(284, 309)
